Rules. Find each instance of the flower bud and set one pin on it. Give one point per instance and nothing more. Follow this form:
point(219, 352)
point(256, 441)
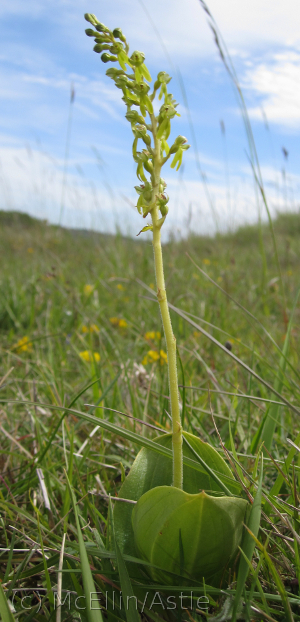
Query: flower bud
point(134, 117)
point(137, 58)
point(91, 18)
point(162, 201)
point(90, 33)
point(140, 131)
point(102, 38)
point(147, 140)
point(101, 28)
point(162, 185)
point(148, 164)
point(108, 57)
point(99, 47)
point(163, 209)
point(114, 73)
point(118, 34)
point(122, 82)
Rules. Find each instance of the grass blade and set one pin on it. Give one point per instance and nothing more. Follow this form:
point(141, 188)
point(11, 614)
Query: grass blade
point(280, 479)
point(94, 615)
point(6, 614)
point(273, 413)
point(85, 388)
point(234, 357)
point(11, 552)
point(130, 600)
point(130, 436)
point(248, 544)
point(277, 580)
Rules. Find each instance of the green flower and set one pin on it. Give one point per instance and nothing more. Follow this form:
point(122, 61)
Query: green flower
point(178, 148)
point(132, 79)
point(140, 69)
point(140, 131)
point(134, 117)
point(137, 58)
point(144, 204)
point(163, 79)
point(141, 90)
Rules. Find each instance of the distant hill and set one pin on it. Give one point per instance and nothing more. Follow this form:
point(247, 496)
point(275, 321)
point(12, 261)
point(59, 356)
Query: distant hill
point(287, 224)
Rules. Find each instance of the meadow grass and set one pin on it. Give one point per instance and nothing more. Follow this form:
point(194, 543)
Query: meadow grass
point(82, 345)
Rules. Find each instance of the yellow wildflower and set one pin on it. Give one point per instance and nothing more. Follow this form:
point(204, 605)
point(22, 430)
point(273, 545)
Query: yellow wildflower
point(88, 356)
point(94, 328)
point(163, 357)
point(30, 250)
point(87, 290)
point(153, 356)
point(23, 345)
point(120, 287)
point(206, 262)
point(114, 321)
point(150, 335)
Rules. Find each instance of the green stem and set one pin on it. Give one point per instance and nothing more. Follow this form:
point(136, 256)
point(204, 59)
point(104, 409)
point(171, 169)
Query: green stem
point(165, 315)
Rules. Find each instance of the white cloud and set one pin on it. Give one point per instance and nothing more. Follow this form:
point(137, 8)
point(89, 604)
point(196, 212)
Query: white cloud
point(277, 84)
point(183, 29)
point(181, 23)
point(258, 23)
point(45, 96)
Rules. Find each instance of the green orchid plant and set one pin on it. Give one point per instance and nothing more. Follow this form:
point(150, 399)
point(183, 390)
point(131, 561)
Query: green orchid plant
point(189, 513)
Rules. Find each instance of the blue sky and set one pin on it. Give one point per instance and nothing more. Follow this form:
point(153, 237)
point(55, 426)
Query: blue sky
point(44, 51)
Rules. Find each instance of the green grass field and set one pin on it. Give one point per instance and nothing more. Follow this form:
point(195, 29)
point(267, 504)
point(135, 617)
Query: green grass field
point(80, 326)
